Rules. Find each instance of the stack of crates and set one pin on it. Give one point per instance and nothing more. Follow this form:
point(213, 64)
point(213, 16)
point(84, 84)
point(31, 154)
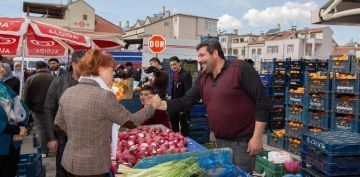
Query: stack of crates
point(296, 107)
point(199, 126)
point(30, 164)
point(345, 100)
point(318, 101)
point(335, 153)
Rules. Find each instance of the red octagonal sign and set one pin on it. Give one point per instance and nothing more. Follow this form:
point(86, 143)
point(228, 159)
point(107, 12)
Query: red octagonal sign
point(157, 44)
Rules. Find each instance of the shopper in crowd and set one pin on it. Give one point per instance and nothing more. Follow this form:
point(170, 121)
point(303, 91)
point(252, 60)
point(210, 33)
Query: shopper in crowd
point(160, 116)
point(235, 99)
point(86, 113)
point(13, 121)
point(10, 80)
point(180, 83)
point(17, 70)
point(132, 72)
point(120, 72)
point(57, 139)
point(55, 68)
point(35, 91)
point(155, 62)
point(159, 81)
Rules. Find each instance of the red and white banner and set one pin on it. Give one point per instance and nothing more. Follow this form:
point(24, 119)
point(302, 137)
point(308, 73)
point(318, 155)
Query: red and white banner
point(10, 45)
point(13, 26)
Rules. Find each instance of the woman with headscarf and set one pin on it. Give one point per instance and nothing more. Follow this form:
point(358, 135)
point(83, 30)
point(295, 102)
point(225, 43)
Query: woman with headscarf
point(13, 120)
point(10, 80)
point(17, 70)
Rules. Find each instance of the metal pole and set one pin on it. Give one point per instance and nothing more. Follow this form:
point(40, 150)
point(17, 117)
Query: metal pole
point(22, 66)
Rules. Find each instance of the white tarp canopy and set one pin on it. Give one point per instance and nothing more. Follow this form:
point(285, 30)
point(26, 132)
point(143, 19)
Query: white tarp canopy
point(338, 12)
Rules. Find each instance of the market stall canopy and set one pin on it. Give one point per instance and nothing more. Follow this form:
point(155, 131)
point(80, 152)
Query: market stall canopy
point(338, 12)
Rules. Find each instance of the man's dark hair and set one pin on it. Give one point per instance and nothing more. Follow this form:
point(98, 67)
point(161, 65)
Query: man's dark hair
point(40, 65)
point(149, 88)
point(76, 56)
point(211, 46)
point(174, 58)
point(128, 64)
point(250, 61)
point(155, 60)
point(53, 59)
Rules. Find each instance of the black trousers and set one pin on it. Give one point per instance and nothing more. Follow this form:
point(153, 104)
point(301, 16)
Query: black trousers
point(8, 163)
point(183, 119)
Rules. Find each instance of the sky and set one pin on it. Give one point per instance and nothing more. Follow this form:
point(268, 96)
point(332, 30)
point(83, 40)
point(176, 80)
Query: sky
point(248, 16)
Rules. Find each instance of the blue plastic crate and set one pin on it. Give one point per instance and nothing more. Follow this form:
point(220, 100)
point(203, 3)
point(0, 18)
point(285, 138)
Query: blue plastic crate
point(317, 85)
point(334, 142)
point(200, 136)
point(292, 131)
point(281, 65)
point(279, 78)
point(355, 65)
point(350, 86)
point(334, 169)
point(291, 146)
point(265, 79)
point(346, 105)
point(339, 65)
point(310, 65)
point(297, 65)
point(296, 116)
point(268, 90)
point(277, 114)
point(322, 65)
point(278, 90)
point(318, 102)
point(342, 123)
point(199, 124)
point(274, 141)
point(317, 119)
point(277, 102)
point(198, 110)
point(296, 98)
point(30, 165)
point(267, 65)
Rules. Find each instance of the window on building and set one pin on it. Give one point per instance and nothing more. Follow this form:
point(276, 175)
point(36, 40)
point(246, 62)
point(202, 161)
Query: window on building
point(243, 52)
point(272, 49)
point(166, 24)
point(223, 39)
point(259, 51)
point(242, 40)
point(84, 17)
point(253, 51)
point(210, 26)
point(235, 41)
point(235, 52)
point(290, 48)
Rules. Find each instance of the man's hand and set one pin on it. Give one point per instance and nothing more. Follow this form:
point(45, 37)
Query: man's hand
point(156, 101)
point(53, 145)
point(17, 138)
point(255, 145)
point(23, 131)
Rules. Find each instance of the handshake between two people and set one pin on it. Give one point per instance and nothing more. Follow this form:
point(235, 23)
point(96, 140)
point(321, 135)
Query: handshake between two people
point(156, 102)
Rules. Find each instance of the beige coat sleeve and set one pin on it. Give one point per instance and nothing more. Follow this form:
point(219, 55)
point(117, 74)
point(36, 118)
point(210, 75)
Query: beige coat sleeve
point(116, 113)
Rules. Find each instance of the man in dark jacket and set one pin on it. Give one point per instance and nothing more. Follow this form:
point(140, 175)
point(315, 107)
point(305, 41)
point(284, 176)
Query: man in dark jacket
point(132, 72)
point(35, 91)
point(57, 140)
point(55, 68)
point(180, 84)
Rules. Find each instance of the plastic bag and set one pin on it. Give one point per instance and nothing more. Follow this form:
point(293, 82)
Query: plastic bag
point(279, 157)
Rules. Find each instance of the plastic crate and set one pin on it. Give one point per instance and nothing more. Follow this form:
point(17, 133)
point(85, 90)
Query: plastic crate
point(276, 124)
point(262, 165)
point(317, 119)
point(280, 65)
point(341, 123)
point(275, 141)
point(334, 142)
point(317, 85)
point(265, 79)
point(334, 169)
point(297, 65)
point(295, 115)
point(355, 64)
point(293, 131)
point(29, 165)
point(350, 86)
point(198, 110)
point(199, 123)
point(277, 102)
point(291, 145)
point(200, 136)
point(318, 102)
point(346, 105)
point(310, 65)
point(268, 90)
point(342, 66)
point(278, 90)
point(322, 65)
point(296, 98)
point(297, 79)
point(279, 78)
point(267, 65)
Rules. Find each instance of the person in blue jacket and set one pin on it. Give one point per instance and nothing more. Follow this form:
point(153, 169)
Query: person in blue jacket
point(13, 122)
